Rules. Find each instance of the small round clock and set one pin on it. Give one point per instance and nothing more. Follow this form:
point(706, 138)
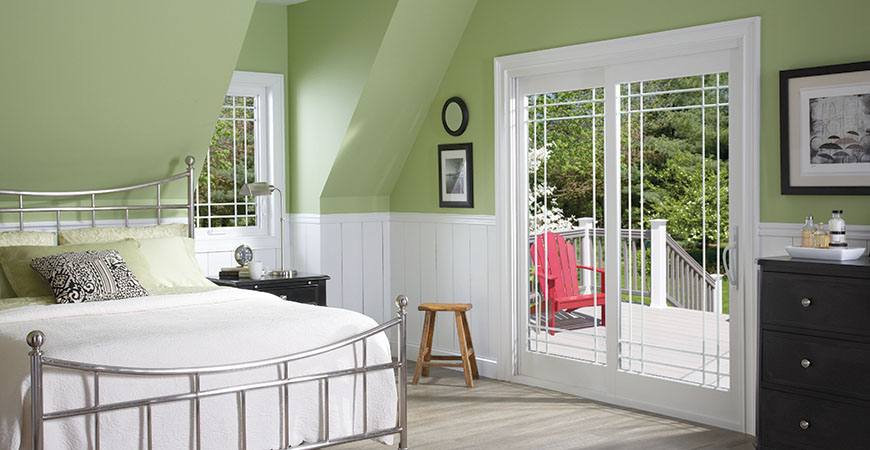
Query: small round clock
point(243, 255)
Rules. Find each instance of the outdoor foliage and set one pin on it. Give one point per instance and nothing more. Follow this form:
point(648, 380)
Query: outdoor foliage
point(667, 157)
point(230, 164)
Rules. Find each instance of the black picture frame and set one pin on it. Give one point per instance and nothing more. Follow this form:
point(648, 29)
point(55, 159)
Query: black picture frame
point(456, 181)
point(463, 108)
point(791, 114)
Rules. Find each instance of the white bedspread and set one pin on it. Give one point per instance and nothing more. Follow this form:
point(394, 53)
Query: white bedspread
point(218, 327)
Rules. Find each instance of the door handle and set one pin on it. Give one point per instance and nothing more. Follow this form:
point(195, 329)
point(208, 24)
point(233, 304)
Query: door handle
point(727, 254)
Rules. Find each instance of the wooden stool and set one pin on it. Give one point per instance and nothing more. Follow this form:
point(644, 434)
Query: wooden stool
point(467, 361)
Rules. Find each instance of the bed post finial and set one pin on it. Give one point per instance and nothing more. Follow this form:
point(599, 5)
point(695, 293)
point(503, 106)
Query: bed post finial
point(35, 339)
point(189, 160)
point(402, 302)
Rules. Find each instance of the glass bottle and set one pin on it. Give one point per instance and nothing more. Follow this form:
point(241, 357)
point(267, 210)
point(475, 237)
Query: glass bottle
point(838, 229)
point(821, 238)
point(807, 232)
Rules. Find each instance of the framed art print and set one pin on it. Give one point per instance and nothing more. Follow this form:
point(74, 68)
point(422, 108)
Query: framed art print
point(455, 181)
point(825, 130)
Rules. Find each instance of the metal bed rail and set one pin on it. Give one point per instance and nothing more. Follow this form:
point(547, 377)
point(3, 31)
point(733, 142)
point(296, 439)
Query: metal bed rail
point(36, 339)
point(159, 206)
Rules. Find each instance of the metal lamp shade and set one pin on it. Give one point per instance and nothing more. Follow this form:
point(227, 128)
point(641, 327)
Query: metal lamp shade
point(256, 189)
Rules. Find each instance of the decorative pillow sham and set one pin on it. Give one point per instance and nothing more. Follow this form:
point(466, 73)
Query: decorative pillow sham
point(89, 276)
point(110, 234)
point(173, 262)
point(15, 262)
point(10, 238)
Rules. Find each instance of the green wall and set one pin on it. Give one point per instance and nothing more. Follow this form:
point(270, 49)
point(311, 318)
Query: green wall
point(105, 93)
point(331, 47)
point(265, 50)
point(794, 34)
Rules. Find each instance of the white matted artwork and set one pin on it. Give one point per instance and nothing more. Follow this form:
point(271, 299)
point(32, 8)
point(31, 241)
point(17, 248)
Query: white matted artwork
point(455, 176)
point(825, 129)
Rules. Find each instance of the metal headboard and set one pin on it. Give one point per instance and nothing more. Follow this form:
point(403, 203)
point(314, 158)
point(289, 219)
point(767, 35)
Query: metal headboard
point(159, 206)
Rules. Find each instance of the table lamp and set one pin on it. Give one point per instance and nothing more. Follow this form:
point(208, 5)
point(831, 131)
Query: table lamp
point(260, 189)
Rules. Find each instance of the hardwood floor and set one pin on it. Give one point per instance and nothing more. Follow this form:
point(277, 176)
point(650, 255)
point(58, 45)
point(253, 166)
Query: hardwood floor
point(443, 414)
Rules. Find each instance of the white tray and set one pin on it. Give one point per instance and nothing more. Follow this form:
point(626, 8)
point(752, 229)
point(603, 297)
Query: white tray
point(831, 254)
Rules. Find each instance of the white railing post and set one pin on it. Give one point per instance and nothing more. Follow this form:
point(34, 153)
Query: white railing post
point(717, 294)
point(659, 263)
point(587, 239)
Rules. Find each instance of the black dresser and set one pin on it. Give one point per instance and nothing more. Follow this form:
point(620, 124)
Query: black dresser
point(303, 288)
point(814, 354)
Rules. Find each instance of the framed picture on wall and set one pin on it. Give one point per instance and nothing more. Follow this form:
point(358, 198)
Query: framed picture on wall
point(455, 176)
point(825, 130)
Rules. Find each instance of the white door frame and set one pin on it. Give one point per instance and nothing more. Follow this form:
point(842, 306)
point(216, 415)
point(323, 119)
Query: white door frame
point(741, 35)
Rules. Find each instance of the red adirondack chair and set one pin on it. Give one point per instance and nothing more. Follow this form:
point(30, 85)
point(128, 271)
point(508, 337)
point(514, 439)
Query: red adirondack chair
point(557, 266)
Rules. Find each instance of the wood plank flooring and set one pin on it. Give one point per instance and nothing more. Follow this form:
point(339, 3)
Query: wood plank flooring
point(443, 414)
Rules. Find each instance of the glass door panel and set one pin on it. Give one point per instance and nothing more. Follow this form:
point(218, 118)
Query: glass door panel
point(564, 317)
point(674, 305)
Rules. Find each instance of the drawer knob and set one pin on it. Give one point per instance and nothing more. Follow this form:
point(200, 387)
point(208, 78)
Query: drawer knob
point(284, 297)
point(804, 424)
point(805, 363)
point(805, 302)
point(256, 286)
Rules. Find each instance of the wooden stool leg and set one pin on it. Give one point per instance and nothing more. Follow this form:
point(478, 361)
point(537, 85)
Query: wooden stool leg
point(463, 347)
point(424, 348)
point(430, 318)
point(472, 353)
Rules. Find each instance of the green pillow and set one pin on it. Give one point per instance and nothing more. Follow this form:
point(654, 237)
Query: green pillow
point(173, 262)
point(112, 234)
point(26, 282)
point(10, 238)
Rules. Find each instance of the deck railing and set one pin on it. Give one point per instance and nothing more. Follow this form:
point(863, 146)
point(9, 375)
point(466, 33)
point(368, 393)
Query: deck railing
point(654, 266)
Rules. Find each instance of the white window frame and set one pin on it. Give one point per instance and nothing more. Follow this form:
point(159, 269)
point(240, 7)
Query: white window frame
point(742, 34)
point(268, 166)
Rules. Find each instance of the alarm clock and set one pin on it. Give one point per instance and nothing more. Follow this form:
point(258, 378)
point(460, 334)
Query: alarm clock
point(243, 255)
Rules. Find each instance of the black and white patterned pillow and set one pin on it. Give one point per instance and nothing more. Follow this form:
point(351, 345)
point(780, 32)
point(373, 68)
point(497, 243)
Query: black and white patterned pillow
point(90, 276)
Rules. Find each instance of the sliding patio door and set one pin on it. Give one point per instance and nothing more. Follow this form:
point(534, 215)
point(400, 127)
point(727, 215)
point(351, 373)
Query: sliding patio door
point(628, 171)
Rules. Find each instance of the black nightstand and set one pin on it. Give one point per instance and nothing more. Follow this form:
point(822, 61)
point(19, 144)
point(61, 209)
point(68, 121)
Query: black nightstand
point(303, 288)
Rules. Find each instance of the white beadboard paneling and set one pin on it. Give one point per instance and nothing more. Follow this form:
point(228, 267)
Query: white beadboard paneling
point(330, 253)
point(444, 328)
point(412, 262)
point(461, 270)
point(373, 271)
point(299, 249)
point(428, 282)
point(202, 260)
point(351, 266)
point(312, 236)
point(492, 342)
point(372, 258)
point(216, 260)
point(478, 261)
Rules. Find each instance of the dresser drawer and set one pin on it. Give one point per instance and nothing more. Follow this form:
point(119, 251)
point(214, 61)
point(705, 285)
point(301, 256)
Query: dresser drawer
point(816, 302)
point(834, 366)
point(829, 425)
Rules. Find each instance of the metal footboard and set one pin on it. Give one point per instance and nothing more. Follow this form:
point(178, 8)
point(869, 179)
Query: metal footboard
point(36, 339)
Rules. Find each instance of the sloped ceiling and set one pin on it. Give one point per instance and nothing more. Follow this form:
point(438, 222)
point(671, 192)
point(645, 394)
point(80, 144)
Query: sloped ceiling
point(102, 93)
point(359, 93)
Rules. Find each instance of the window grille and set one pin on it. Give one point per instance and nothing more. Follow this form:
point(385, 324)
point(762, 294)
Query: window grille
point(230, 164)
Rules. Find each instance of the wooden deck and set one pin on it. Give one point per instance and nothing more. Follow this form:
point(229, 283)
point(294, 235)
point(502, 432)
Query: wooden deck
point(679, 344)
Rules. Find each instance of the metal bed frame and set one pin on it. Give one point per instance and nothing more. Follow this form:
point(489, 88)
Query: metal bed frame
point(38, 360)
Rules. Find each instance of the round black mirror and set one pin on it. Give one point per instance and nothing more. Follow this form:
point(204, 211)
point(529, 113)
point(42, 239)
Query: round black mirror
point(454, 116)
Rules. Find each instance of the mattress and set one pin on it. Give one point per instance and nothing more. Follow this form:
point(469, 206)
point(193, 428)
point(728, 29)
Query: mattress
point(220, 326)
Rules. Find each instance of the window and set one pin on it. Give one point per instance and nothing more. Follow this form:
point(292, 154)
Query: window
point(231, 163)
point(247, 146)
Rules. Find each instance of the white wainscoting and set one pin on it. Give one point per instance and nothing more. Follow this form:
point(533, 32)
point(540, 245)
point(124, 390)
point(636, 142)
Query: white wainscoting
point(773, 237)
point(372, 258)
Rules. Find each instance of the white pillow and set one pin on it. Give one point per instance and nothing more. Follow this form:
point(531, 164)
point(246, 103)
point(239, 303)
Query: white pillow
point(112, 234)
point(173, 262)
